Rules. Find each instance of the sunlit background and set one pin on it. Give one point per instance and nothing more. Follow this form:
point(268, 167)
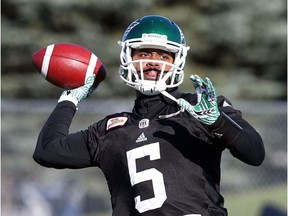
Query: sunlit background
point(239, 44)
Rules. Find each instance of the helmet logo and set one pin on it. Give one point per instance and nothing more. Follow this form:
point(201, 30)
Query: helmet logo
point(130, 27)
point(183, 41)
point(154, 37)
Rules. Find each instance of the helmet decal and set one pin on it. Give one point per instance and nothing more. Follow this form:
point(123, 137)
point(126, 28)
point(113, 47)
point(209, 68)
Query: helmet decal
point(131, 26)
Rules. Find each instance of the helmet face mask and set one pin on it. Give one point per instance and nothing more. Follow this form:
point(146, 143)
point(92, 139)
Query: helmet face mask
point(153, 32)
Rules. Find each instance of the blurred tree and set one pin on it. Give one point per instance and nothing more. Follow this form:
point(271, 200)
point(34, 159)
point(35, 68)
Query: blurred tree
point(227, 37)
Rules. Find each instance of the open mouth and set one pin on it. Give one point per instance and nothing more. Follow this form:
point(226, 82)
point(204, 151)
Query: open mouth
point(151, 74)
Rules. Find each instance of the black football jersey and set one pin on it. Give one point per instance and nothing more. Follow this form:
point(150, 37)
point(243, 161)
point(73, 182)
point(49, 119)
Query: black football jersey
point(157, 160)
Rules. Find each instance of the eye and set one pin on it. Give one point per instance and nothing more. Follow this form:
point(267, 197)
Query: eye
point(143, 54)
point(164, 56)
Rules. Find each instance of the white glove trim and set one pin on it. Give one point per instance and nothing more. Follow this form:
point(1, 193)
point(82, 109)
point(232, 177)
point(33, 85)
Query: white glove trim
point(68, 98)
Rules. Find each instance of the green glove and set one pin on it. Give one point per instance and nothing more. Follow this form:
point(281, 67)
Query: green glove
point(78, 94)
point(206, 110)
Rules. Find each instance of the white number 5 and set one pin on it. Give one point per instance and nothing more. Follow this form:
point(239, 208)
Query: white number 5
point(153, 174)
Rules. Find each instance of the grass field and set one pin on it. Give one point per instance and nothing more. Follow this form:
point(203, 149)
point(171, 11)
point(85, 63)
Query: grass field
point(252, 202)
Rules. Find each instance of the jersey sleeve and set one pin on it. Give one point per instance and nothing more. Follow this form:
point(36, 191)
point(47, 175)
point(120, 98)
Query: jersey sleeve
point(236, 134)
point(56, 147)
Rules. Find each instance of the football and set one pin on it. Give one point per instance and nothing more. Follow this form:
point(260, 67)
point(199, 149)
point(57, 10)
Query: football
point(67, 65)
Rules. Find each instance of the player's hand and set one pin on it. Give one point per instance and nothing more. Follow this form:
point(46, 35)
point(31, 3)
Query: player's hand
point(78, 94)
point(206, 110)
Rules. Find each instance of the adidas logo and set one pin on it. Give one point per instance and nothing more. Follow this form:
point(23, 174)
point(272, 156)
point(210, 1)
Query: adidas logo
point(141, 138)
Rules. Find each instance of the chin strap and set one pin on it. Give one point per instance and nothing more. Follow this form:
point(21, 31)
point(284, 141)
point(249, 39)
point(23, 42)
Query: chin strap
point(169, 96)
point(174, 99)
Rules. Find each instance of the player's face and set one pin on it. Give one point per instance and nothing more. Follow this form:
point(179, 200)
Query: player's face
point(151, 68)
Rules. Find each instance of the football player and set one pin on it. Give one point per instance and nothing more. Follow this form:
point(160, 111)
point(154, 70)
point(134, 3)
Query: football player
point(163, 157)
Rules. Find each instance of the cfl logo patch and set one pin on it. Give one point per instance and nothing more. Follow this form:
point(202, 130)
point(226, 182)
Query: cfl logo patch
point(144, 123)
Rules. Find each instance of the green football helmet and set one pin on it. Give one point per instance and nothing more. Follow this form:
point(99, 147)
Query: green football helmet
point(155, 32)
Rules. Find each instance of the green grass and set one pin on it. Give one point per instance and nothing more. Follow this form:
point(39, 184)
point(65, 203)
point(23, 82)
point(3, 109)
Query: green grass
point(251, 203)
